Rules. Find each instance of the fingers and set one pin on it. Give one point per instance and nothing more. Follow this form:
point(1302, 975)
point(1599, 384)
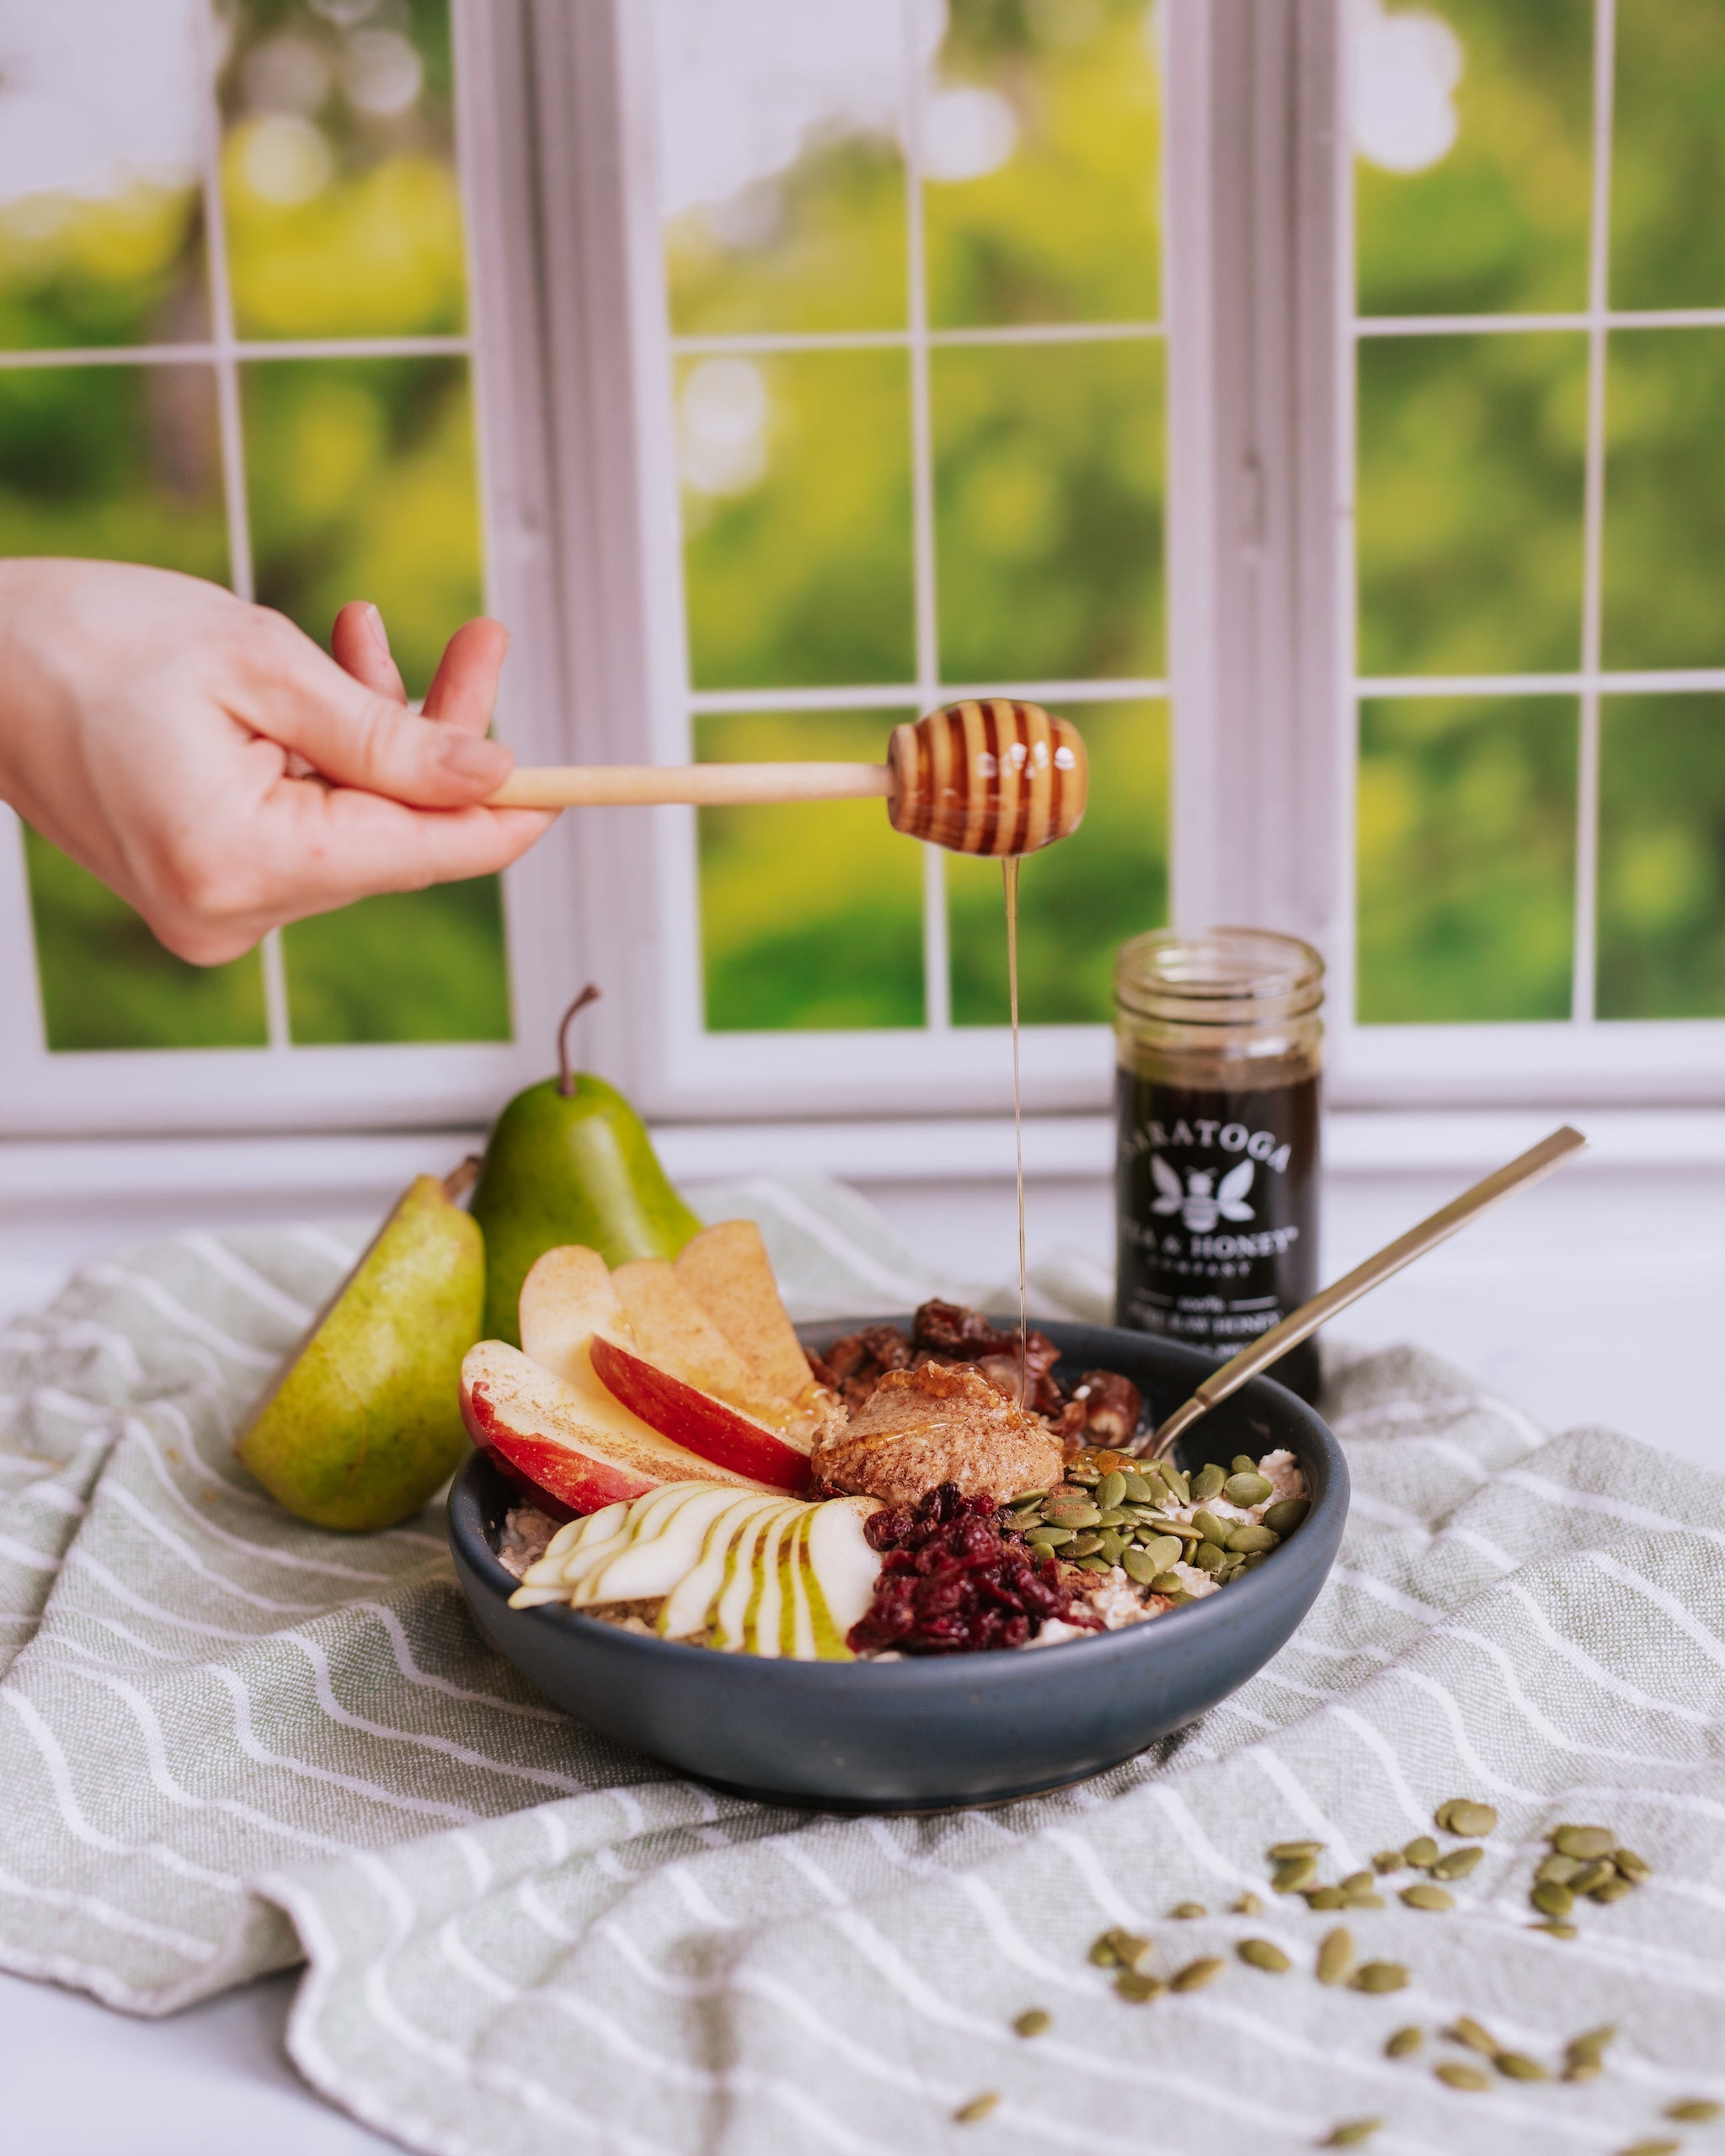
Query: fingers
point(361, 645)
point(463, 690)
point(358, 737)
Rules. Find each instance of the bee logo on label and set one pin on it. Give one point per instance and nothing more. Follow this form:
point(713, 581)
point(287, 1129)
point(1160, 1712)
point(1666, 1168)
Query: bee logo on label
point(1203, 1202)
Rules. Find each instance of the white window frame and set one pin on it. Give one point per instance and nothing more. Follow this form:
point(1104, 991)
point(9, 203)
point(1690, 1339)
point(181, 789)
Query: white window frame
point(573, 363)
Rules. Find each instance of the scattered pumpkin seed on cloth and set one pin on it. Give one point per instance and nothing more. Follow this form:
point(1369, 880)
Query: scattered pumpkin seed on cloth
point(262, 1746)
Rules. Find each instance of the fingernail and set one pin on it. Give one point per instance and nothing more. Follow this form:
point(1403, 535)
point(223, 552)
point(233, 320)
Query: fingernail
point(471, 756)
point(380, 635)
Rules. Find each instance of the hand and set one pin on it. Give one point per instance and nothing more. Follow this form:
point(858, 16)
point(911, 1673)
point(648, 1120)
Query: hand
point(207, 761)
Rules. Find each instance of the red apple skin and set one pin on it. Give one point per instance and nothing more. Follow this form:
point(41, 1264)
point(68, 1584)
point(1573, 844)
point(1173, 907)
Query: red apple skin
point(575, 1478)
point(698, 1420)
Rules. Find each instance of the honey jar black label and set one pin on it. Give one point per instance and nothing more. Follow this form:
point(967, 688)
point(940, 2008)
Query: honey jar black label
point(1217, 1194)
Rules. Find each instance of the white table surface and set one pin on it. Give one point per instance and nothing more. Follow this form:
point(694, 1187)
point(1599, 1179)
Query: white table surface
point(1593, 1299)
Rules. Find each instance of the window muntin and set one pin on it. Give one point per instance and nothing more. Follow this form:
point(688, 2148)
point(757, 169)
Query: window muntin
point(233, 342)
point(1539, 338)
point(913, 260)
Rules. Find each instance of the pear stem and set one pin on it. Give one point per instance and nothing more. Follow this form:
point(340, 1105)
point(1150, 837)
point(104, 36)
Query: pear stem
point(565, 1076)
point(460, 1178)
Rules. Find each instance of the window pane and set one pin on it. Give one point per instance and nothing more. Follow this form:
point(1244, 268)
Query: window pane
point(1048, 510)
point(413, 966)
point(1662, 857)
point(361, 482)
point(1080, 900)
point(1470, 502)
point(338, 170)
point(117, 462)
point(106, 982)
point(782, 180)
point(811, 915)
point(1466, 860)
point(1473, 126)
point(1664, 499)
point(1667, 164)
point(796, 475)
point(99, 222)
point(1041, 147)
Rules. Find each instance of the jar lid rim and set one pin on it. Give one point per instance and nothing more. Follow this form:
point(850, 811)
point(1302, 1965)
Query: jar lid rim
point(1220, 964)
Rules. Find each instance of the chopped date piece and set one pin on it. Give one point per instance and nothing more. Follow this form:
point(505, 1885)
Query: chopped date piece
point(950, 1583)
point(948, 1329)
point(1111, 1408)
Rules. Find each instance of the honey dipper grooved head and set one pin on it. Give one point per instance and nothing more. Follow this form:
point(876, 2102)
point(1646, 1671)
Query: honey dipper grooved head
point(989, 775)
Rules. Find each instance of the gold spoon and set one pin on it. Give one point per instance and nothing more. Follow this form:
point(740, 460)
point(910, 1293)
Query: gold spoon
point(1299, 1325)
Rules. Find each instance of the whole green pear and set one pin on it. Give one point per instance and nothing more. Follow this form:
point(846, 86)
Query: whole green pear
point(364, 1420)
point(569, 1162)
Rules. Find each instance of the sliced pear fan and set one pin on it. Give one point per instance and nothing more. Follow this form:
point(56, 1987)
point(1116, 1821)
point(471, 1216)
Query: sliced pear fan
point(652, 1565)
point(736, 1591)
point(687, 1609)
point(761, 1618)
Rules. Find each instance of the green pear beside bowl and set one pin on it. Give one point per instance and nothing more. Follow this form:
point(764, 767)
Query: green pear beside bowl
point(932, 1733)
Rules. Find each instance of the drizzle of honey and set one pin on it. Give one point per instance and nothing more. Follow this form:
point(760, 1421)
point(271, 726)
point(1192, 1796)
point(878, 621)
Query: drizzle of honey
point(1009, 877)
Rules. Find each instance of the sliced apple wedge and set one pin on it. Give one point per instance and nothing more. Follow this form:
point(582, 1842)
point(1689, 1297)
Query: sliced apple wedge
point(727, 1270)
point(668, 1328)
point(569, 1435)
point(567, 1297)
point(688, 1417)
point(687, 1610)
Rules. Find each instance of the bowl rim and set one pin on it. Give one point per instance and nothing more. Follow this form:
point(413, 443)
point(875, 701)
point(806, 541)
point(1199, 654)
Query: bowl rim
point(1244, 1595)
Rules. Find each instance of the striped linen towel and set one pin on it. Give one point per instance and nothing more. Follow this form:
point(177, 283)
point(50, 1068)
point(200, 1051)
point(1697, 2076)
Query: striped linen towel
point(230, 1744)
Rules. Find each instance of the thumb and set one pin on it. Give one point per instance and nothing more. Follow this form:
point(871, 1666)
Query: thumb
point(357, 738)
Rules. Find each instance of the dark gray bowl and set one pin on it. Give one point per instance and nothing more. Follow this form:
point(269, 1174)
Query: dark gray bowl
point(926, 1734)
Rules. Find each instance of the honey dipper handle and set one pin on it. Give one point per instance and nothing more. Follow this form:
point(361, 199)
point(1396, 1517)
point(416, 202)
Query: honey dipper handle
point(583, 785)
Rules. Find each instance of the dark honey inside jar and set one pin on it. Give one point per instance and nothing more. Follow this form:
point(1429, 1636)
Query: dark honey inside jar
point(1219, 1057)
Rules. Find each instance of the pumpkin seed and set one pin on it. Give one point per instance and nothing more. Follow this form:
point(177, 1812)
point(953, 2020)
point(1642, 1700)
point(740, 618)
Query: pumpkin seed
point(1103, 1951)
point(1113, 1517)
point(1187, 1910)
point(1094, 1564)
point(1694, 2110)
point(1652, 2148)
point(1246, 1541)
point(1034, 2021)
point(1053, 1538)
point(1590, 2070)
point(1422, 1852)
point(1139, 1567)
point(1286, 1513)
point(1214, 1529)
point(1254, 1561)
point(1475, 2034)
point(1379, 1976)
point(977, 2109)
point(1517, 2066)
point(1163, 1552)
point(1208, 1482)
point(1086, 1546)
point(1456, 1864)
point(1196, 1974)
point(1248, 1905)
point(1551, 1899)
point(1335, 1955)
point(1242, 1464)
point(1404, 2041)
point(1611, 1890)
point(1180, 1484)
point(1462, 1815)
point(1112, 1546)
point(1264, 1954)
point(1168, 1584)
point(1635, 1869)
point(1586, 1842)
point(1387, 1860)
point(1351, 2132)
point(1248, 1488)
point(1557, 1930)
point(1592, 2044)
point(1207, 1557)
point(1138, 1487)
point(1591, 1876)
point(1558, 1870)
point(1111, 1489)
point(1074, 1516)
point(1138, 1987)
point(1326, 1898)
point(1285, 1852)
point(1424, 1896)
point(1359, 1883)
point(1364, 1901)
point(1454, 2075)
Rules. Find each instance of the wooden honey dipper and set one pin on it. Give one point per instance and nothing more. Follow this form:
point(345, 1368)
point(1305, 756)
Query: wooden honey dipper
point(989, 775)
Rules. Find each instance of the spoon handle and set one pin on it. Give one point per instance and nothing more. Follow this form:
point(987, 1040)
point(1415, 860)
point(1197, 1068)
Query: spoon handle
point(579, 785)
point(1299, 1325)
